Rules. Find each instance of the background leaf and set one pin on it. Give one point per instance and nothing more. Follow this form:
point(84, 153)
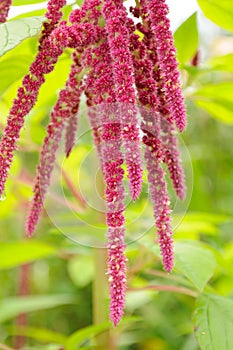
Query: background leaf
point(77, 265)
point(41, 334)
point(222, 62)
point(19, 67)
point(12, 33)
point(220, 12)
point(77, 338)
point(216, 99)
point(189, 259)
point(187, 47)
point(11, 307)
point(213, 321)
point(16, 253)
point(25, 2)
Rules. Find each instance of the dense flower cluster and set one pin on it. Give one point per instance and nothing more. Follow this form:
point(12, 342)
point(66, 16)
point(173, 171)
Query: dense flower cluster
point(127, 70)
point(4, 9)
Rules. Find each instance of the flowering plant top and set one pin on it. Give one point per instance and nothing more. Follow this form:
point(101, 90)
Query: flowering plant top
point(125, 68)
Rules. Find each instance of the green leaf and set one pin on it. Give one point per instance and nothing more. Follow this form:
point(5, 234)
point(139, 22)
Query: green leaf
point(75, 268)
point(12, 70)
point(197, 223)
point(213, 322)
point(12, 33)
point(76, 339)
point(218, 91)
point(11, 307)
point(190, 259)
point(222, 62)
point(16, 253)
point(186, 48)
point(220, 12)
point(218, 110)
point(79, 2)
point(25, 2)
point(41, 334)
point(216, 99)
point(35, 13)
point(82, 335)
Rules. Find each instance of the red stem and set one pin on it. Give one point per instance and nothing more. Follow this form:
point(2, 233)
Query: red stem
point(21, 320)
point(73, 189)
point(166, 288)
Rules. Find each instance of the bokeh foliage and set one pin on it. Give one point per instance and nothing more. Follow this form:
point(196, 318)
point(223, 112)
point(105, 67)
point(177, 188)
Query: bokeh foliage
point(188, 310)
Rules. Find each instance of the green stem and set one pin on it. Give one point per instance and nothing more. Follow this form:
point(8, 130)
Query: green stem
point(166, 288)
point(100, 292)
point(105, 340)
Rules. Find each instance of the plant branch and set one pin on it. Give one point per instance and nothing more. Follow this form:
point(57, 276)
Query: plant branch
point(164, 275)
point(166, 288)
point(73, 189)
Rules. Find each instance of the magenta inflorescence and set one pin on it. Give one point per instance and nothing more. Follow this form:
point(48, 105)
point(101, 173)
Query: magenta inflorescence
point(128, 72)
point(4, 9)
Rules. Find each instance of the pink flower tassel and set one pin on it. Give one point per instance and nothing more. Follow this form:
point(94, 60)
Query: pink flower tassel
point(172, 157)
point(4, 9)
point(68, 100)
point(113, 176)
point(27, 96)
point(71, 130)
point(116, 273)
point(166, 51)
point(53, 15)
point(159, 197)
point(118, 38)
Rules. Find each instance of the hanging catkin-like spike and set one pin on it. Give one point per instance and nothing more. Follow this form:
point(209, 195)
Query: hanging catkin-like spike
point(160, 26)
point(68, 99)
point(118, 38)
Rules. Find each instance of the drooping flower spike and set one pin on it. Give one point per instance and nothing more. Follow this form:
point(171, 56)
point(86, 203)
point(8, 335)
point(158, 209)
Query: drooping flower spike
point(107, 134)
point(115, 16)
point(166, 52)
point(167, 124)
point(128, 72)
point(67, 102)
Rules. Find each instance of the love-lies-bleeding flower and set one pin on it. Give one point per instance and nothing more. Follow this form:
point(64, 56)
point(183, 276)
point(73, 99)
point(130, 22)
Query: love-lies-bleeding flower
point(4, 9)
point(127, 71)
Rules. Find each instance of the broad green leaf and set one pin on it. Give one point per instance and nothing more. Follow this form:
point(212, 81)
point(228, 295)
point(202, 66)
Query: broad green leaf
point(66, 12)
point(137, 299)
point(11, 307)
point(79, 2)
point(220, 12)
point(12, 33)
point(218, 91)
point(76, 267)
point(218, 110)
point(213, 322)
point(16, 253)
point(207, 217)
point(197, 223)
point(82, 335)
point(12, 69)
point(216, 99)
point(41, 334)
point(79, 337)
point(190, 260)
point(36, 13)
point(25, 2)
point(186, 39)
point(222, 62)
